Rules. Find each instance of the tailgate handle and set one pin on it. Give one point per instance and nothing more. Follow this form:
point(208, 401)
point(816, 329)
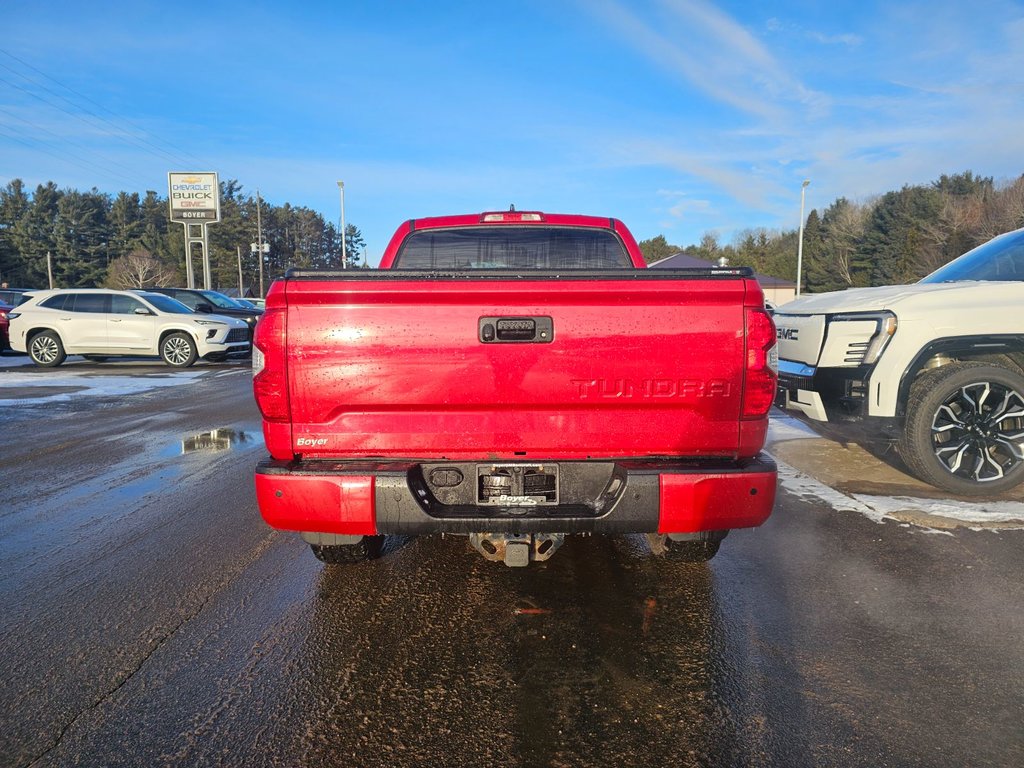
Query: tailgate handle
point(515, 330)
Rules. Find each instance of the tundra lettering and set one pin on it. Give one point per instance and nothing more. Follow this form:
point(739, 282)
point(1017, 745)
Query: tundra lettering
point(654, 388)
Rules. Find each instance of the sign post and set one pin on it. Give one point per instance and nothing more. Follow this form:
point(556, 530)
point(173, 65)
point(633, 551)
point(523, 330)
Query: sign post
point(194, 200)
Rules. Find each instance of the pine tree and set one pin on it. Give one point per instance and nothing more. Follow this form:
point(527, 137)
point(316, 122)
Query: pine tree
point(896, 231)
point(656, 249)
point(14, 203)
point(354, 245)
point(80, 237)
point(814, 276)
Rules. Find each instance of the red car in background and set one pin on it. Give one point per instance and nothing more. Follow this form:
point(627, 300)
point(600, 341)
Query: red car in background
point(5, 343)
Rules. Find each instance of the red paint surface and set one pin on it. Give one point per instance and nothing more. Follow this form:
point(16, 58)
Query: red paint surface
point(342, 504)
point(648, 368)
point(690, 504)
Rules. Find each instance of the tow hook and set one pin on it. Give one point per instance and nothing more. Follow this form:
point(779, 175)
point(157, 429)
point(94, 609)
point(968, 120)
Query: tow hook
point(516, 550)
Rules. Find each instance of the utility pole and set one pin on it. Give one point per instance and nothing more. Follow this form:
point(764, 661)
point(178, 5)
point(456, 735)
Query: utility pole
point(49, 268)
point(259, 248)
point(800, 241)
point(341, 193)
point(240, 294)
point(259, 240)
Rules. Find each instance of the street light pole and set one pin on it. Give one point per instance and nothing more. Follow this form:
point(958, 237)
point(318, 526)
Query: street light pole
point(341, 193)
point(800, 241)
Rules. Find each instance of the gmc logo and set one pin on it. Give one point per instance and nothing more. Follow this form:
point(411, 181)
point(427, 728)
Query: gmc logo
point(789, 334)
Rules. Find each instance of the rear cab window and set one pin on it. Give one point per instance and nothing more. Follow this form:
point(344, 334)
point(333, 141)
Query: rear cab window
point(512, 247)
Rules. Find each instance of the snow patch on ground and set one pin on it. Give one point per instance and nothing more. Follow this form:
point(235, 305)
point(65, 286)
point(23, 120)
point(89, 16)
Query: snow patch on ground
point(781, 427)
point(881, 508)
point(964, 511)
point(806, 487)
point(47, 390)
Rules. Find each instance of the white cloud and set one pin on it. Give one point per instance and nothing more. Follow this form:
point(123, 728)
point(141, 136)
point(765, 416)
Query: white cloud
point(847, 39)
point(714, 54)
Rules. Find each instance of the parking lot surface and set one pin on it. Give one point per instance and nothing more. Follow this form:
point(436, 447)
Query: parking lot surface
point(148, 617)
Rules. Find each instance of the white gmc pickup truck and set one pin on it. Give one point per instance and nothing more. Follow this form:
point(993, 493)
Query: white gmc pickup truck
point(937, 366)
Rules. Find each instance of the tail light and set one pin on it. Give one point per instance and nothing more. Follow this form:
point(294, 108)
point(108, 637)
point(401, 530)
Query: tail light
point(269, 375)
point(761, 374)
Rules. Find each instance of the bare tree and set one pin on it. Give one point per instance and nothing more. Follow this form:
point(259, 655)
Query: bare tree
point(846, 227)
point(139, 269)
point(1005, 212)
point(955, 231)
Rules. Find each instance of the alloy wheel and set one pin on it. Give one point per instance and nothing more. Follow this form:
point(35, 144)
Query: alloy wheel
point(978, 431)
point(177, 350)
point(44, 349)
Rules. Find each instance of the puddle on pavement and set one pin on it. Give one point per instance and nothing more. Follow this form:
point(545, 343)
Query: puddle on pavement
point(215, 441)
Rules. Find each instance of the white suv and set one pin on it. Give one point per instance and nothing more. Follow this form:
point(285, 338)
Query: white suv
point(99, 323)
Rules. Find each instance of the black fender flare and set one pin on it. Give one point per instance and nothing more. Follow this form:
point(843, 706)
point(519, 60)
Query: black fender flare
point(954, 346)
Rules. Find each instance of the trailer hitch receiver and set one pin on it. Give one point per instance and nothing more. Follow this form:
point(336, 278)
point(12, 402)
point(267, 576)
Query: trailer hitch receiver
point(516, 550)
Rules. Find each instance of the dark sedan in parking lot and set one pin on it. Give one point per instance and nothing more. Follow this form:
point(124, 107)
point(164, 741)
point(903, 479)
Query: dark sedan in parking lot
point(211, 301)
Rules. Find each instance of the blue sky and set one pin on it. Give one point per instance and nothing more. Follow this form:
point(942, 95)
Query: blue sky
point(679, 117)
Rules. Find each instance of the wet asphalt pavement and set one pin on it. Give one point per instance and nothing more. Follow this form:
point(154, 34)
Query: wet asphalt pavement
point(148, 617)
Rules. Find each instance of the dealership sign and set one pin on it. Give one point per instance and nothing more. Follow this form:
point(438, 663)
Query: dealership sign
point(194, 197)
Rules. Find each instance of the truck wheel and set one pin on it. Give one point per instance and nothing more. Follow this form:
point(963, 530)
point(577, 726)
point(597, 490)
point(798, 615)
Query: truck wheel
point(348, 554)
point(46, 349)
point(178, 350)
point(699, 551)
point(965, 428)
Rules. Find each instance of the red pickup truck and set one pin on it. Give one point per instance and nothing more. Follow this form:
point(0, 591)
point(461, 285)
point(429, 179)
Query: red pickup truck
point(515, 377)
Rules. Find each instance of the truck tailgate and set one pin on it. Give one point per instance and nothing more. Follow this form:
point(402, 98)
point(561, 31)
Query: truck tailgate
point(634, 367)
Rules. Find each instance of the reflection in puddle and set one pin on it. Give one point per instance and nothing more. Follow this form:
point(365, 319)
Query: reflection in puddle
point(216, 440)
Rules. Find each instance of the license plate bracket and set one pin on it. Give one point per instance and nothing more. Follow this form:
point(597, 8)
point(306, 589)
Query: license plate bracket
point(517, 485)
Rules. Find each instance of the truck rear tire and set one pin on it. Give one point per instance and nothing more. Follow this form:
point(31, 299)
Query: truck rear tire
point(366, 548)
point(965, 428)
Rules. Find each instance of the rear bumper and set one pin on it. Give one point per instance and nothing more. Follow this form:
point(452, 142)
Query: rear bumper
point(361, 498)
